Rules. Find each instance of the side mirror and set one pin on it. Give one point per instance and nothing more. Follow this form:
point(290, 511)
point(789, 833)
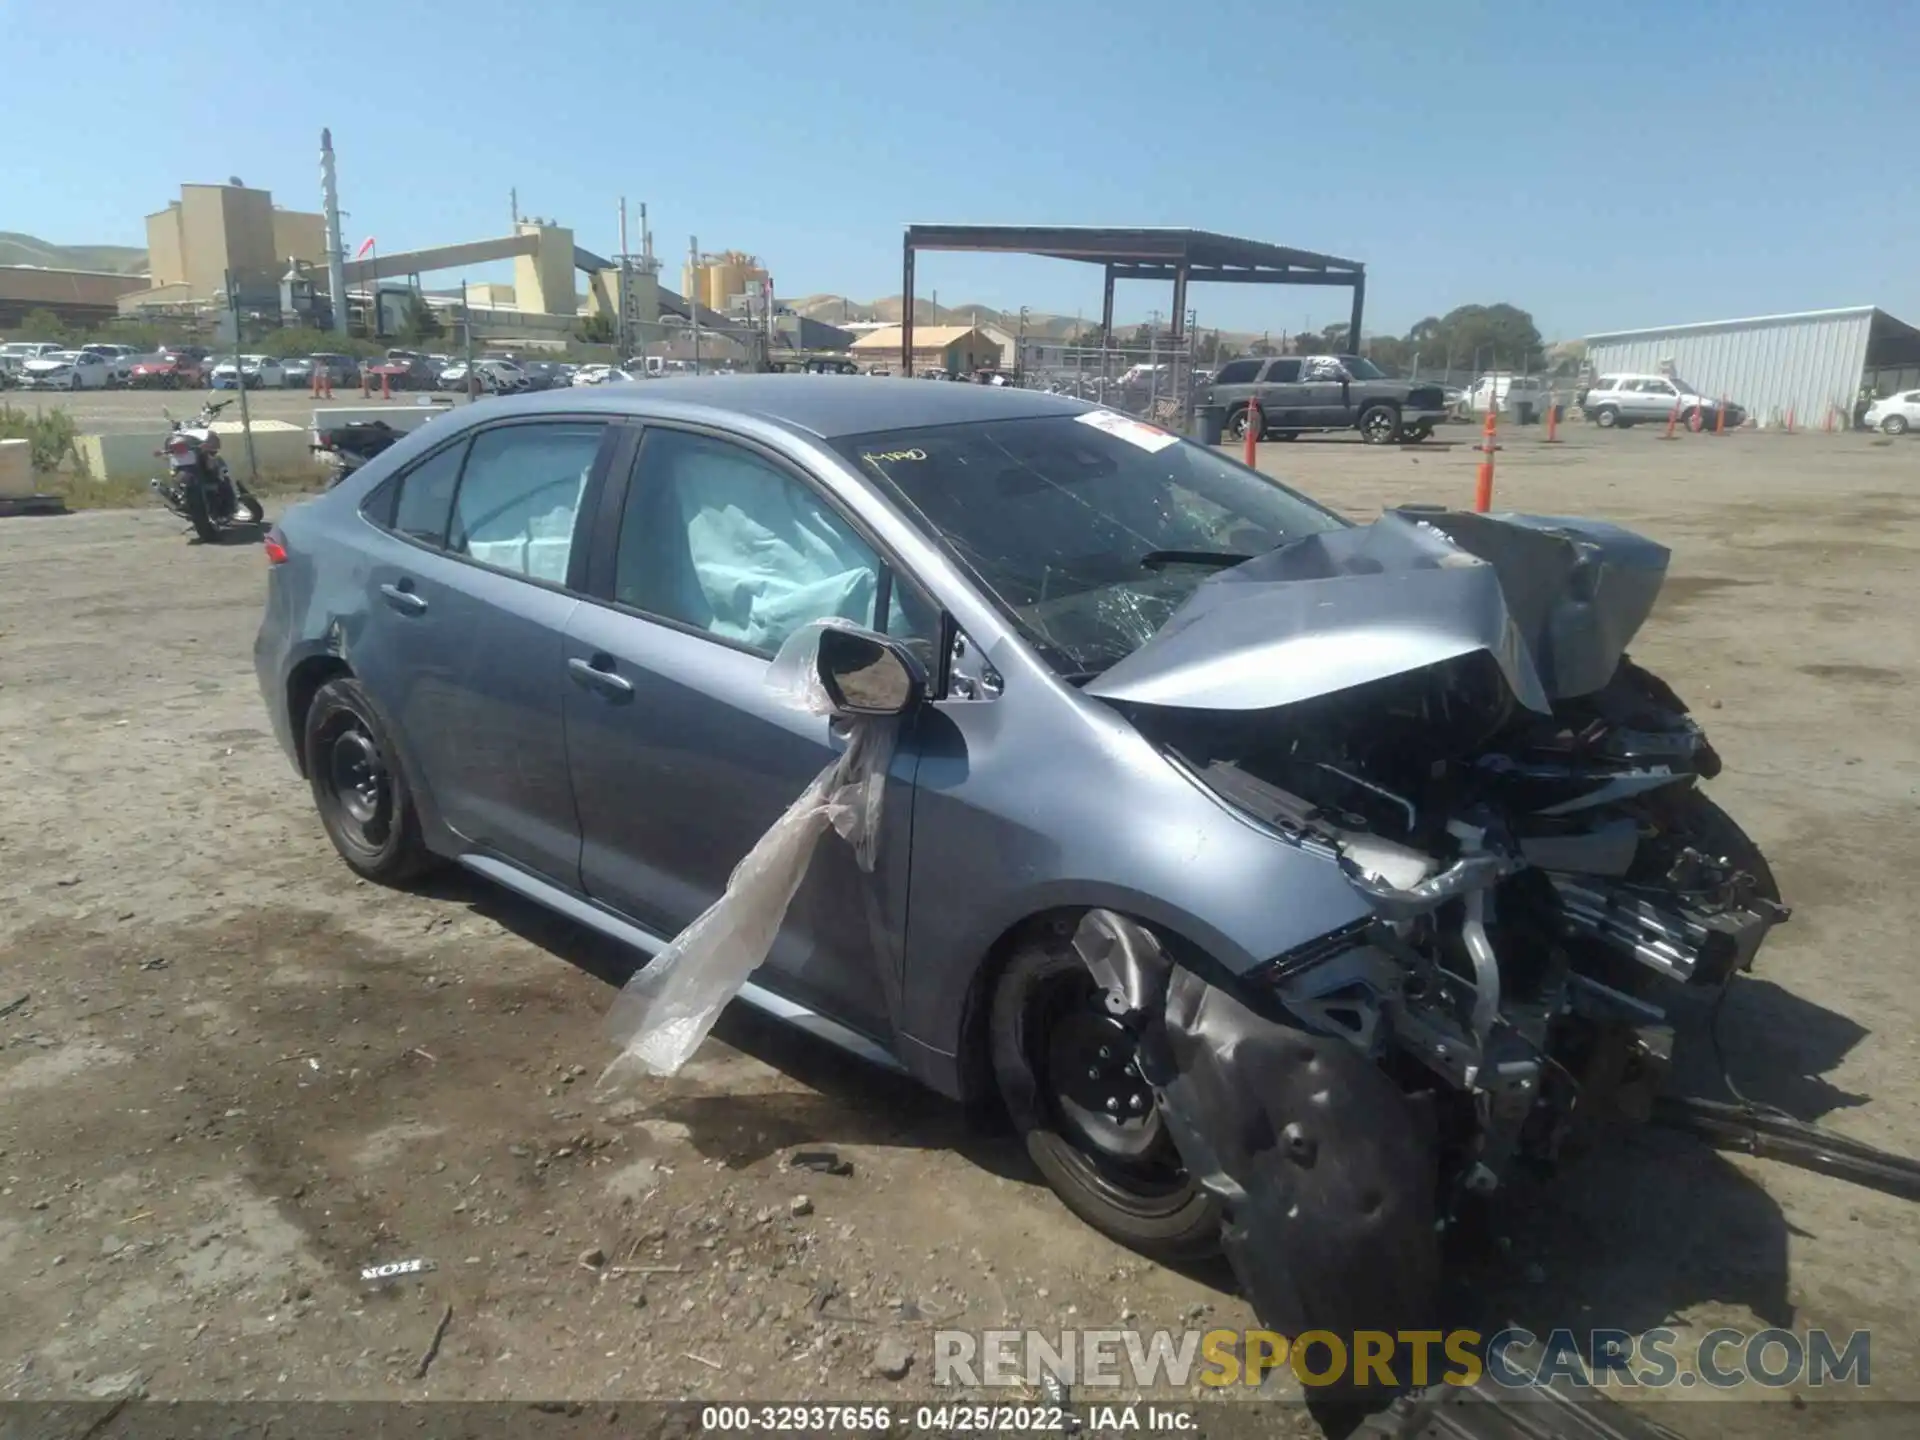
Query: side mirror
point(868, 674)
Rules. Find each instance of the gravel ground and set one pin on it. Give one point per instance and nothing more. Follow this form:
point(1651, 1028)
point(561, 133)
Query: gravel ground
point(236, 1075)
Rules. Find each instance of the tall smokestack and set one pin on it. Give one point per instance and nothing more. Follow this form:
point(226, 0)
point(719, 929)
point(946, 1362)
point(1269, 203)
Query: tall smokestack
point(336, 256)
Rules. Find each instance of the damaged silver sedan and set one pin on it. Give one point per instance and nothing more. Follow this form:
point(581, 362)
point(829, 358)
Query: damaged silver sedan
point(1289, 881)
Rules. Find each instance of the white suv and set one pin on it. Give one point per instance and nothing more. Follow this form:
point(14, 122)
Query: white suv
point(1628, 399)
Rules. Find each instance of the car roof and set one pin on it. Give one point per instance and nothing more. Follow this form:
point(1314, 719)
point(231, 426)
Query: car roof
point(823, 405)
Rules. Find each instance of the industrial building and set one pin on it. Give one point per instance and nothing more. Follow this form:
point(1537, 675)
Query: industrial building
point(950, 349)
point(718, 281)
point(77, 297)
point(1804, 365)
point(214, 230)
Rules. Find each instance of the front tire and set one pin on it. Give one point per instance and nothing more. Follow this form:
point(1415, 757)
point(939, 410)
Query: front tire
point(1894, 425)
point(1607, 417)
point(1379, 425)
point(1052, 1044)
point(358, 788)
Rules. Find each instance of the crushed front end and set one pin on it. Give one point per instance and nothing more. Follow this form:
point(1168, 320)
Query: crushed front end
point(1519, 805)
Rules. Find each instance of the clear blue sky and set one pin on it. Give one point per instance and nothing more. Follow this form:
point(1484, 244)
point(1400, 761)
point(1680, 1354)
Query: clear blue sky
point(1602, 165)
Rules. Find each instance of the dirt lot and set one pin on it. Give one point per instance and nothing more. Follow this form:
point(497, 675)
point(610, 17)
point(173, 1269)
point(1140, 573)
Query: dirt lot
point(238, 1075)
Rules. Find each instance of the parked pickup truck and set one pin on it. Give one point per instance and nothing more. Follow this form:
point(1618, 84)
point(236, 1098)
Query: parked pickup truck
point(1296, 393)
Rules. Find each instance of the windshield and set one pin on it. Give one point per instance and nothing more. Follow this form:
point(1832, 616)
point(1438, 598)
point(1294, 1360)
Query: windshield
point(1362, 369)
point(1088, 531)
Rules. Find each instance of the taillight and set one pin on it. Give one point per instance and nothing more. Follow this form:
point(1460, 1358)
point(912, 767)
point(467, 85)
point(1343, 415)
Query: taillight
point(276, 546)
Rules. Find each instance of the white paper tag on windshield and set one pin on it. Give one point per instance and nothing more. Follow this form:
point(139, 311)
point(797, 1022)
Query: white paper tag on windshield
point(1135, 432)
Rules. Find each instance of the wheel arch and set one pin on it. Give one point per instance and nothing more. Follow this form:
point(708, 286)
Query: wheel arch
point(303, 683)
point(974, 1060)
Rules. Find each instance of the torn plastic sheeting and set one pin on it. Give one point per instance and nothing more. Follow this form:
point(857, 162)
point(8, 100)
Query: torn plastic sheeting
point(666, 1010)
point(1325, 1169)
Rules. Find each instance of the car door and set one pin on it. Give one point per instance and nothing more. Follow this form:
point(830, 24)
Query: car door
point(681, 755)
point(1324, 388)
point(1282, 397)
point(469, 591)
point(1653, 399)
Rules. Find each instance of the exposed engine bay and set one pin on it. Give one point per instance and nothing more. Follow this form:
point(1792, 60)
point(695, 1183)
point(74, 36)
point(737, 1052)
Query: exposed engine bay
point(1520, 808)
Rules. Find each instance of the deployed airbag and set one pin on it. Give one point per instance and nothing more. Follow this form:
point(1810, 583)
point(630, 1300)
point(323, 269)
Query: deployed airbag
point(765, 555)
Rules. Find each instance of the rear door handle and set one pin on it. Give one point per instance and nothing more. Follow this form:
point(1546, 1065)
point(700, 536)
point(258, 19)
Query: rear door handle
point(597, 674)
point(404, 599)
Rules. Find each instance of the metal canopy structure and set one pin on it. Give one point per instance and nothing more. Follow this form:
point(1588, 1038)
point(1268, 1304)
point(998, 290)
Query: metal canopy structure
point(1179, 256)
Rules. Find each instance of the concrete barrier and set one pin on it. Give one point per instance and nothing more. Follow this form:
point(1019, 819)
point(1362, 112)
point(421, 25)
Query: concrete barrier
point(16, 469)
point(400, 417)
point(277, 445)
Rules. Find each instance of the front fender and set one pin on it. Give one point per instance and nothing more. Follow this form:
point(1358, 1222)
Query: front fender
point(1327, 1170)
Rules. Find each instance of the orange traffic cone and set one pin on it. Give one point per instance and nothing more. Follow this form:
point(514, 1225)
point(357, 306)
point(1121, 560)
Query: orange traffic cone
point(1255, 423)
point(1483, 481)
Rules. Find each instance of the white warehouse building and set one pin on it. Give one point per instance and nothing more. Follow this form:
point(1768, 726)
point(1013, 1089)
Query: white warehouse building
point(1773, 365)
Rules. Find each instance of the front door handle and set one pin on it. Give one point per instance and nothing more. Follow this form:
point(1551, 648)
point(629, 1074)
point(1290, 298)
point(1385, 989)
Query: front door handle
point(597, 674)
point(403, 598)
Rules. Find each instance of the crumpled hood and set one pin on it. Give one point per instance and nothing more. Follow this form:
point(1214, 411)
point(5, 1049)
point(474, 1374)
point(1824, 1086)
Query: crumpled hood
point(1555, 601)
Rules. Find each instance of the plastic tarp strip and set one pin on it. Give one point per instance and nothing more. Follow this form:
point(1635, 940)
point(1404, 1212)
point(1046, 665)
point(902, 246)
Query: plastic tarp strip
point(666, 1010)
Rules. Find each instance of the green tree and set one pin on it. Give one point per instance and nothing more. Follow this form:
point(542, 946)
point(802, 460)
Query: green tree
point(596, 329)
point(1484, 337)
point(418, 324)
point(44, 325)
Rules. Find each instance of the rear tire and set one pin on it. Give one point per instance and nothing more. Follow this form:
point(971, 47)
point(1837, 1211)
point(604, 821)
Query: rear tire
point(1238, 423)
point(358, 788)
point(194, 497)
point(1894, 425)
point(1145, 1202)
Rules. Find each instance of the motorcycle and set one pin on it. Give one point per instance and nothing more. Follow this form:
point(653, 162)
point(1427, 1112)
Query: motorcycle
point(347, 447)
point(200, 488)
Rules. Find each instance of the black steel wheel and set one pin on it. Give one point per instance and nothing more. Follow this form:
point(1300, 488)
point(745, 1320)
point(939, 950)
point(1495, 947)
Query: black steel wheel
point(1066, 1071)
point(358, 787)
point(1379, 425)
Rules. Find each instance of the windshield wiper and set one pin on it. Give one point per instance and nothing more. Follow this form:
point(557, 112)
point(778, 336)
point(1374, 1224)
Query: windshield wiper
point(1216, 559)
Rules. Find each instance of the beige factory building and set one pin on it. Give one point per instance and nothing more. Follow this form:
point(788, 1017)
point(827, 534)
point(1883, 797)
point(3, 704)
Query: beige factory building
point(716, 279)
point(211, 229)
point(950, 349)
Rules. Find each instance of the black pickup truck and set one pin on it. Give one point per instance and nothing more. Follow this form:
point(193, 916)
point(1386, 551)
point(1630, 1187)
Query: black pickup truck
point(1323, 392)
